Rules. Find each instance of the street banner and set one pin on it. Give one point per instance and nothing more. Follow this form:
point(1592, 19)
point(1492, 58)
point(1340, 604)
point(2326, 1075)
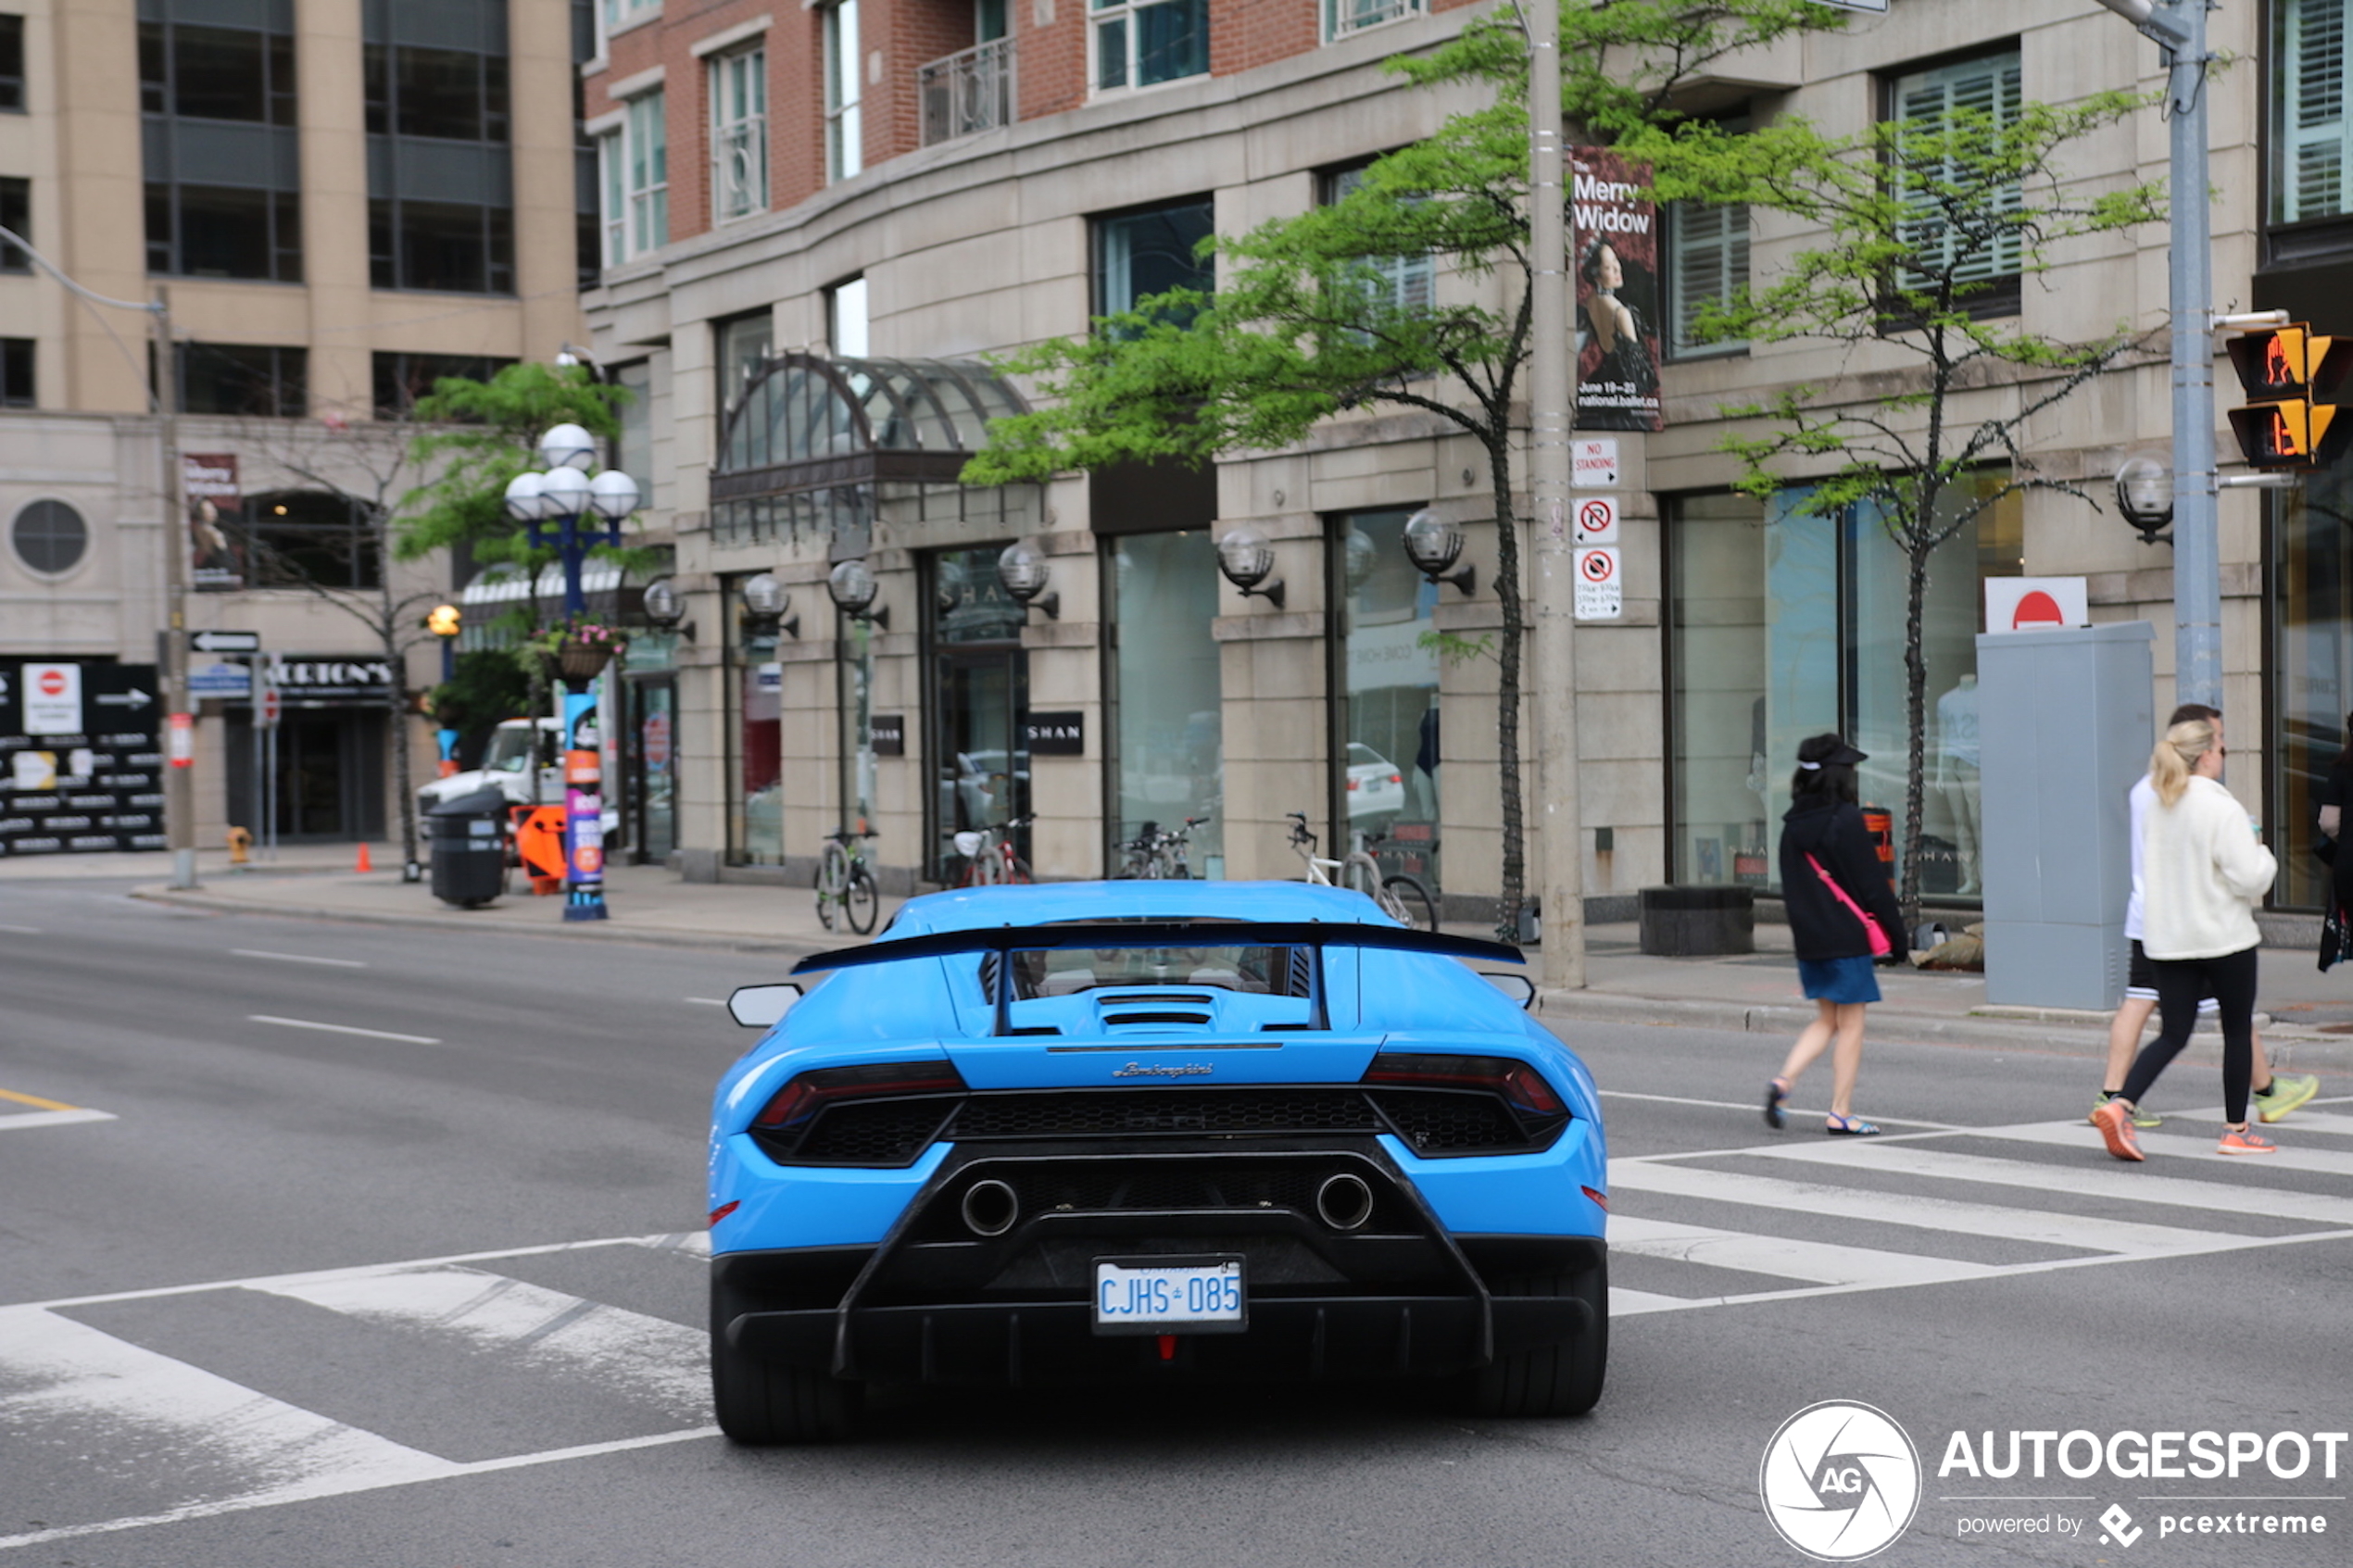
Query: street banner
point(216, 514)
point(1615, 251)
point(95, 786)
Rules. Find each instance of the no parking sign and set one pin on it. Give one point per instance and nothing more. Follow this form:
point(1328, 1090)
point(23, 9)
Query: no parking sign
point(1600, 594)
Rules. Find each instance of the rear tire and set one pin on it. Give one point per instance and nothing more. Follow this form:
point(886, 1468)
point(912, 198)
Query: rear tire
point(864, 899)
point(1412, 900)
point(1556, 1380)
point(763, 1402)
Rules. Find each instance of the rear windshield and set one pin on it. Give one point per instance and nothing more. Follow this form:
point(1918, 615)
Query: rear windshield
point(1064, 972)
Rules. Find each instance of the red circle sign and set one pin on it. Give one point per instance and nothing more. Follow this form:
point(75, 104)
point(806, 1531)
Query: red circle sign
point(1597, 566)
point(2037, 609)
point(52, 683)
point(1594, 516)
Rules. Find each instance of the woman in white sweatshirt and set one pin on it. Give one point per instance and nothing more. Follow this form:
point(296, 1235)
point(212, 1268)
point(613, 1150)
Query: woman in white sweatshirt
point(2202, 869)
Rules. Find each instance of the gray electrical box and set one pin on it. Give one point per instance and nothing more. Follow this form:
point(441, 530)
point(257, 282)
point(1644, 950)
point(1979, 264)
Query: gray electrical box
point(2066, 719)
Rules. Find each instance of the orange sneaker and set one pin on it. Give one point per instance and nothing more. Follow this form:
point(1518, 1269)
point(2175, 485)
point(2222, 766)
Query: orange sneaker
point(2115, 1121)
point(2245, 1140)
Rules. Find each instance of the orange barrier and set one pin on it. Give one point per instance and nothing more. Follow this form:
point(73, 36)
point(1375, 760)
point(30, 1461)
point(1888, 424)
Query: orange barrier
point(539, 845)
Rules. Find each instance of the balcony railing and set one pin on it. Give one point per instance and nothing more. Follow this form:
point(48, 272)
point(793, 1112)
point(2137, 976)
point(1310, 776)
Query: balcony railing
point(969, 91)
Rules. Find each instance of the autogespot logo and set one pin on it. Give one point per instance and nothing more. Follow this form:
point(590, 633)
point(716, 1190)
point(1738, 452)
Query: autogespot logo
point(1840, 1480)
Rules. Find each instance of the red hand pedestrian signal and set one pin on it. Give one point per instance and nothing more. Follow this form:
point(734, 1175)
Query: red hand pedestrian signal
point(2291, 377)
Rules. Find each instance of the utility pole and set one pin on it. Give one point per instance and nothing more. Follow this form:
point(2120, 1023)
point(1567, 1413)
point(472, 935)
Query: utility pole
point(1561, 858)
point(179, 782)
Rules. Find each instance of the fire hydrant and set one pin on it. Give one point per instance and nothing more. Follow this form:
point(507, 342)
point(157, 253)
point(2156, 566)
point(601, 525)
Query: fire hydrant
point(239, 842)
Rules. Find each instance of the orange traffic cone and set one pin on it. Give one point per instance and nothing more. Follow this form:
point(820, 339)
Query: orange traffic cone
point(363, 865)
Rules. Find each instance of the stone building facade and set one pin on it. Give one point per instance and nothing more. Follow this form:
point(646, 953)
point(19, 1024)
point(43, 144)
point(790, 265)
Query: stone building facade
point(936, 181)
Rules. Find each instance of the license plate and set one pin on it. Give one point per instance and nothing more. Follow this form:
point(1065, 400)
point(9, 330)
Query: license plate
point(1168, 1296)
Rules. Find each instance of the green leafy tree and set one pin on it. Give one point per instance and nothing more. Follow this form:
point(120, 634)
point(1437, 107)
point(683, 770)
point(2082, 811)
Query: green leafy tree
point(1305, 321)
point(1915, 227)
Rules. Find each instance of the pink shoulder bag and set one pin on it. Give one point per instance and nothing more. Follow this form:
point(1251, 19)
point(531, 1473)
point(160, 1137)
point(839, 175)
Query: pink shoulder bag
point(1881, 945)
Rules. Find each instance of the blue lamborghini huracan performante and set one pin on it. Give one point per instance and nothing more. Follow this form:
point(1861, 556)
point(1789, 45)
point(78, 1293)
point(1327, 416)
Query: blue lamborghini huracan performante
point(1155, 1132)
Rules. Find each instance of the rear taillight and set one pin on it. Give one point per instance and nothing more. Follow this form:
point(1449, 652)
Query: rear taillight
point(811, 1092)
point(1520, 1084)
point(1355, 784)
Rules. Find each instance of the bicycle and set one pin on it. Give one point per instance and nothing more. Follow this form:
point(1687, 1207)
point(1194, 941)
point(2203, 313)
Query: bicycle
point(989, 860)
point(844, 883)
point(1156, 855)
point(1361, 874)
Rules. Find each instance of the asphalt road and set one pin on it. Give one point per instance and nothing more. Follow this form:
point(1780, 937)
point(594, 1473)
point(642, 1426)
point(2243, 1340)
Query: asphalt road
point(274, 1292)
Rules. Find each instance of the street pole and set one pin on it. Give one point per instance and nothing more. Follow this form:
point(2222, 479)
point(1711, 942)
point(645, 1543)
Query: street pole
point(1560, 858)
point(179, 780)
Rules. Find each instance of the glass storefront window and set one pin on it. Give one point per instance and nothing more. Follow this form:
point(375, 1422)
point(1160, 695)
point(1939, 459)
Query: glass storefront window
point(857, 666)
point(2311, 667)
point(980, 688)
point(1170, 743)
point(1785, 625)
point(1389, 753)
point(756, 801)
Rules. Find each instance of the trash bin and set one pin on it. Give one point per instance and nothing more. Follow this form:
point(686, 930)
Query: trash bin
point(469, 840)
point(1698, 921)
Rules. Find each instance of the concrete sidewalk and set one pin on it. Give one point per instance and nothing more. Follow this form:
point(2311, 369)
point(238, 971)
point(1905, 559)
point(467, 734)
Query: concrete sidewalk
point(2308, 1023)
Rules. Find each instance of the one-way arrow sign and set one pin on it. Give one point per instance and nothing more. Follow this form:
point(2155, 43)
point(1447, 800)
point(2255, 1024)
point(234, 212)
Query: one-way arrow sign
point(225, 641)
point(134, 697)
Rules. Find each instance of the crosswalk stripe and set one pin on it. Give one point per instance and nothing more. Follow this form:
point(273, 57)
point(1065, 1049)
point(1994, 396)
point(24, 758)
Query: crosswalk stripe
point(1623, 1303)
point(15, 1120)
point(650, 1357)
point(2317, 1162)
point(1817, 1262)
point(2097, 1176)
point(2087, 1232)
point(2297, 1123)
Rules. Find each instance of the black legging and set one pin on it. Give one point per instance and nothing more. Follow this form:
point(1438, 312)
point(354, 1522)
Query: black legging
point(2230, 980)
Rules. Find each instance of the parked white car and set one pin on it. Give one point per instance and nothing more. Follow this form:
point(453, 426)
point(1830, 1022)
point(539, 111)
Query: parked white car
point(1376, 786)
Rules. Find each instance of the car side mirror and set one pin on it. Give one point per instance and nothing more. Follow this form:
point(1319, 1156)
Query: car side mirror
point(761, 1007)
point(1519, 987)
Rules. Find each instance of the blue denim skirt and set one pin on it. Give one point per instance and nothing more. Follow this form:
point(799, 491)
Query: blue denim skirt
point(1838, 980)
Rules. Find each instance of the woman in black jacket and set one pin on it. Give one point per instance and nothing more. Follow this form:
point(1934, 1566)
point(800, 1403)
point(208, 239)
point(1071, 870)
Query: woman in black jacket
point(1842, 913)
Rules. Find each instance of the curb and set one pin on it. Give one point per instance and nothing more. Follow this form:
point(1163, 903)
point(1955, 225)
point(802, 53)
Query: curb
point(592, 930)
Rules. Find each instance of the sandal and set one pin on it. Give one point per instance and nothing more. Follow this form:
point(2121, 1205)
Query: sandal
point(1850, 1126)
point(1776, 1091)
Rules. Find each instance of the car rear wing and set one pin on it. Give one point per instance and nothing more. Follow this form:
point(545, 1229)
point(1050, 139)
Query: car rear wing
point(1002, 940)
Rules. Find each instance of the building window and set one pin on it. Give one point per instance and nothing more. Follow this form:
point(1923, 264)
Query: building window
point(1167, 704)
point(1387, 752)
point(224, 378)
point(50, 537)
point(442, 94)
point(437, 109)
point(1783, 625)
point(620, 14)
point(1392, 283)
point(15, 373)
point(633, 450)
point(844, 131)
point(739, 347)
point(1706, 265)
point(15, 215)
point(1139, 42)
point(311, 538)
point(1928, 101)
point(637, 162)
point(846, 319)
point(12, 64)
point(2311, 128)
point(739, 136)
point(1342, 17)
point(1141, 254)
point(400, 379)
point(451, 247)
point(221, 155)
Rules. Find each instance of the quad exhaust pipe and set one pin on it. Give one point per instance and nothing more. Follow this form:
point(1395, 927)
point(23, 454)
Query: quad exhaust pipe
point(1344, 1202)
point(990, 1207)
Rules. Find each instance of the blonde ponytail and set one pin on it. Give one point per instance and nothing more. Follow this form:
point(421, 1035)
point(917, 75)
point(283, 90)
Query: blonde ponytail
point(2170, 763)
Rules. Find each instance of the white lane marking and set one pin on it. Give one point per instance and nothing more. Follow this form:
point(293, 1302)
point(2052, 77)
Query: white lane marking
point(298, 957)
point(343, 1029)
point(1756, 1108)
point(2319, 1161)
point(52, 1118)
point(2104, 1178)
point(546, 1330)
point(2303, 1119)
point(329, 1486)
point(2051, 1229)
point(1625, 1303)
point(21, 930)
point(1820, 1263)
point(708, 1001)
point(675, 1241)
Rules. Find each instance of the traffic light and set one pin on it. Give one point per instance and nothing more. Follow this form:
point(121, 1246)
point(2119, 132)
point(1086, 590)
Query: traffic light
point(2291, 377)
point(444, 620)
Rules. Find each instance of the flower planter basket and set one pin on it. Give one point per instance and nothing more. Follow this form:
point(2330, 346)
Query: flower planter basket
point(583, 661)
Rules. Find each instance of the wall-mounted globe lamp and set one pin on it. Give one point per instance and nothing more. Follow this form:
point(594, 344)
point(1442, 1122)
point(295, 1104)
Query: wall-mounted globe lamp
point(1432, 543)
point(1248, 561)
point(852, 588)
point(1023, 569)
point(765, 601)
point(2145, 494)
point(665, 609)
